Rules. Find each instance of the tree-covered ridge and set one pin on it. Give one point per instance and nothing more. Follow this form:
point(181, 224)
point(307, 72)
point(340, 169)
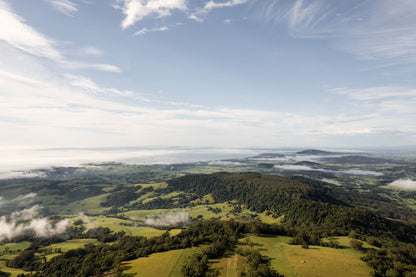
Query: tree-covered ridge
point(93, 260)
point(301, 202)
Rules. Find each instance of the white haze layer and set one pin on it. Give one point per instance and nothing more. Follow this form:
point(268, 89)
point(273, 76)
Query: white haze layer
point(404, 184)
point(20, 200)
point(86, 220)
point(26, 220)
point(354, 171)
point(170, 219)
point(16, 162)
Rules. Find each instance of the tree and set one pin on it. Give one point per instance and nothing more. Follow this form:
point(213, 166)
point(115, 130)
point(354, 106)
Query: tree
point(355, 244)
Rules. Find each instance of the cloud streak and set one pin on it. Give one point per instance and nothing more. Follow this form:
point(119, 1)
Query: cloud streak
point(382, 31)
point(65, 7)
point(215, 5)
point(15, 32)
point(146, 30)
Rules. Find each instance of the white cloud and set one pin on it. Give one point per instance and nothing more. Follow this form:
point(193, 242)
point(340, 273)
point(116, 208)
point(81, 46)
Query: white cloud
point(93, 51)
point(215, 5)
point(142, 31)
point(146, 30)
point(65, 7)
point(161, 29)
point(97, 66)
point(136, 10)
point(196, 18)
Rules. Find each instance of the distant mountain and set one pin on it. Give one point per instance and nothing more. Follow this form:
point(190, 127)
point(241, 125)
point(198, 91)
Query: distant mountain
point(269, 156)
point(356, 159)
point(307, 163)
point(316, 152)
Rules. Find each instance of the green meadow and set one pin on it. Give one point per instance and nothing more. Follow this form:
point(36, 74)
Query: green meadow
point(160, 264)
point(293, 260)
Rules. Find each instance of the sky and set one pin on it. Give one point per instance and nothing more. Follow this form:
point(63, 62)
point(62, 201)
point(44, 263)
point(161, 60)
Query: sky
point(198, 73)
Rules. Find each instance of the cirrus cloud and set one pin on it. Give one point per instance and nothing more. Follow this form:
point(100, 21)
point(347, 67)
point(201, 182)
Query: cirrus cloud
point(65, 7)
point(16, 32)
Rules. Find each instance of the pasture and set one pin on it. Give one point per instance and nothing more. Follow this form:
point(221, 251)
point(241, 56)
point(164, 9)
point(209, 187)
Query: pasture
point(229, 266)
point(160, 264)
point(293, 260)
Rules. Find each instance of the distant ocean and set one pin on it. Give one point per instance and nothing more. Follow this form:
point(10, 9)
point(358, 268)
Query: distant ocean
point(18, 162)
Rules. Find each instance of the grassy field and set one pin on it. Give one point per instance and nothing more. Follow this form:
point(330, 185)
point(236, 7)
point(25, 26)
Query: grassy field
point(345, 243)
point(14, 246)
point(13, 271)
point(89, 205)
point(12, 251)
point(293, 260)
point(165, 264)
point(229, 266)
point(320, 261)
point(154, 186)
point(66, 246)
point(207, 199)
point(116, 225)
point(269, 219)
point(71, 244)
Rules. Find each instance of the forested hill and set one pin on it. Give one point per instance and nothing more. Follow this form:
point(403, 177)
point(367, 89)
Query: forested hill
point(302, 203)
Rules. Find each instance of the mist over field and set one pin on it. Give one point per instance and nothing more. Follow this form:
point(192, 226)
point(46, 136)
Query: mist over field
point(174, 218)
point(404, 184)
point(19, 222)
point(21, 163)
point(354, 171)
point(18, 201)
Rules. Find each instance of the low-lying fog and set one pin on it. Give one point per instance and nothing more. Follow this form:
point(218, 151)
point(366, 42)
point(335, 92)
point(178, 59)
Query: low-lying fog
point(174, 218)
point(17, 162)
point(27, 219)
point(404, 184)
point(354, 171)
point(23, 162)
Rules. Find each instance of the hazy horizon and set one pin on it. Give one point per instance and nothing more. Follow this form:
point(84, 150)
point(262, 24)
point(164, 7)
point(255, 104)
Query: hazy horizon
point(23, 162)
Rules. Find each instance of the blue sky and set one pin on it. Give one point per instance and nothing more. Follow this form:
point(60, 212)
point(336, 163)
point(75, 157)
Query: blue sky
point(227, 73)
